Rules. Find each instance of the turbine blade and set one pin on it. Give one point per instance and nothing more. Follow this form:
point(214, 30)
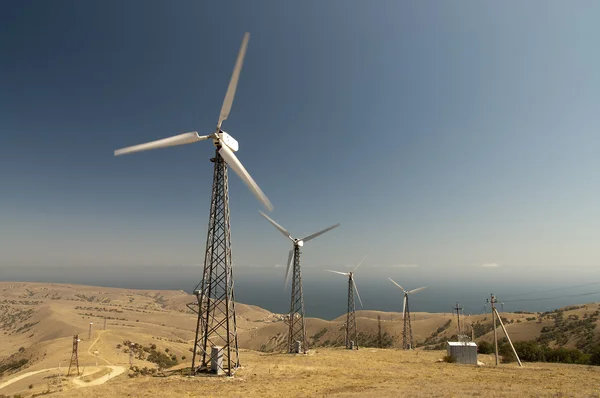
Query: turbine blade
point(279, 227)
point(361, 261)
point(338, 272)
point(239, 169)
point(397, 285)
point(404, 307)
point(289, 266)
point(358, 295)
point(417, 290)
point(235, 76)
point(309, 237)
point(181, 139)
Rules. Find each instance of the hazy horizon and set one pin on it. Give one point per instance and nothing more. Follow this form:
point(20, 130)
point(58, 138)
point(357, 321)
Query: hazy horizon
point(325, 294)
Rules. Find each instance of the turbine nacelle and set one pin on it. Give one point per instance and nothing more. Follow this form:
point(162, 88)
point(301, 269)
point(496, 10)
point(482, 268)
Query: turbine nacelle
point(222, 137)
point(296, 241)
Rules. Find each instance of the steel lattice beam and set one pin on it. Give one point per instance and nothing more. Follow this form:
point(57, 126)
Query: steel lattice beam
point(351, 332)
point(216, 324)
point(297, 329)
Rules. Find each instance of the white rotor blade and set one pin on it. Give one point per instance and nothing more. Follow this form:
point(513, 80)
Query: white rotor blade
point(358, 295)
point(289, 266)
point(228, 101)
point(361, 261)
point(338, 272)
point(279, 227)
point(397, 285)
point(309, 237)
point(181, 139)
point(404, 307)
point(239, 169)
point(417, 289)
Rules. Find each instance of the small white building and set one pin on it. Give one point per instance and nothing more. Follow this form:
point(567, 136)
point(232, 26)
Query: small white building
point(463, 352)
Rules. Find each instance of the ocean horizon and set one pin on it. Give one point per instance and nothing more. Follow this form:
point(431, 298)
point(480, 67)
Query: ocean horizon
point(325, 294)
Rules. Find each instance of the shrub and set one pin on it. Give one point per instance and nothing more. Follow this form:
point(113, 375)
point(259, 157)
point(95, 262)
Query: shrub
point(483, 347)
point(449, 359)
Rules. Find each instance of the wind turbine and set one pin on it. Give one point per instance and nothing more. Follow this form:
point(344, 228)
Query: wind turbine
point(216, 324)
point(351, 312)
point(297, 329)
point(407, 337)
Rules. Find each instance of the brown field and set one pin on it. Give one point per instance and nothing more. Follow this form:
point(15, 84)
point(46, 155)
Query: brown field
point(37, 322)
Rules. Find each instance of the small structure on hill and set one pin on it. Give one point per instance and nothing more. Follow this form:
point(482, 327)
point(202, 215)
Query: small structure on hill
point(74, 364)
point(463, 351)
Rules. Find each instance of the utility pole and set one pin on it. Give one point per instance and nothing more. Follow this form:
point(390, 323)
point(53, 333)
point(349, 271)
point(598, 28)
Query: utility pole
point(458, 309)
point(90, 331)
point(379, 331)
point(493, 301)
point(131, 347)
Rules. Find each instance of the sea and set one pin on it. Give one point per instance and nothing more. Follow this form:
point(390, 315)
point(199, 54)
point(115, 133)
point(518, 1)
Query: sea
point(325, 294)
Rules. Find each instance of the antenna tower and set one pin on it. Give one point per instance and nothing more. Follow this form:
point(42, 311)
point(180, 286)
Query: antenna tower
point(74, 356)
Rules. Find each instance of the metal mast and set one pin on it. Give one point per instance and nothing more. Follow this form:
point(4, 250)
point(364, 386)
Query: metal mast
point(407, 337)
point(351, 332)
point(216, 325)
point(74, 356)
point(297, 330)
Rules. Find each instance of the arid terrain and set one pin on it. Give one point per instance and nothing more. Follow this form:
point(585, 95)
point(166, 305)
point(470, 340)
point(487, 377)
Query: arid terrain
point(38, 322)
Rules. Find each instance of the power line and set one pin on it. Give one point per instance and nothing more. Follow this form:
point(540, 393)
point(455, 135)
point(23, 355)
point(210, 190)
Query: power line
point(552, 298)
point(555, 289)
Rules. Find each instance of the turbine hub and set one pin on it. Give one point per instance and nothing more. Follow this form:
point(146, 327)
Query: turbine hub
point(300, 243)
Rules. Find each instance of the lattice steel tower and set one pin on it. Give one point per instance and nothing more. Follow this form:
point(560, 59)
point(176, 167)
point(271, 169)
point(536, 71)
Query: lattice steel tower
point(216, 336)
point(351, 329)
point(216, 324)
point(297, 329)
point(74, 356)
point(407, 337)
point(351, 332)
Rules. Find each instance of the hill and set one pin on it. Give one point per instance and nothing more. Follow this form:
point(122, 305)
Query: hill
point(38, 321)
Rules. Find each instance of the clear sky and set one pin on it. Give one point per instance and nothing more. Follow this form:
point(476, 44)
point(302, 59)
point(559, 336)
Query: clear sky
point(441, 135)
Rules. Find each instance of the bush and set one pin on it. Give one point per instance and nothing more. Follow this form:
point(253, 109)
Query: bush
point(483, 347)
point(30, 386)
point(449, 359)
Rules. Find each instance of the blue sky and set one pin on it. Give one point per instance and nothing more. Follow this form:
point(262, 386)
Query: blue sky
point(445, 135)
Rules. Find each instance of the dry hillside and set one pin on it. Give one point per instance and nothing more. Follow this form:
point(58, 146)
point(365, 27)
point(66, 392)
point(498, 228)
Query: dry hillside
point(37, 322)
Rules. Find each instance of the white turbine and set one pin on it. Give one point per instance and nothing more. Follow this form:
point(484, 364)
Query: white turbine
point(296, 242)
point(350, 276)
point(407, 337)
point(351, 330)
point(225, 144)
point(406, 293)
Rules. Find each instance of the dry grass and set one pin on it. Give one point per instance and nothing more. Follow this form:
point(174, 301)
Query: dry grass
point(366, 373)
